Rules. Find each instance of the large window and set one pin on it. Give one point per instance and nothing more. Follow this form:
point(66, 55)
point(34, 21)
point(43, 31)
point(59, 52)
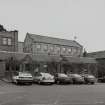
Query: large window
point(4, 41)
point(38, 46)
point(57, 49)
point(69, 50)
point(74, 51)
point(51, 48)
point(45, 48)
point(64, 50)
point(7, 41)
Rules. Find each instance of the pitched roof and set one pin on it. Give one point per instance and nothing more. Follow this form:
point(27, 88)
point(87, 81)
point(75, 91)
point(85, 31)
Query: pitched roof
point(58, 41)
point(98, 54)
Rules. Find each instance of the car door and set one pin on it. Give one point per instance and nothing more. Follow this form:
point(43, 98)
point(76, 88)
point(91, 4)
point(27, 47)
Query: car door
point(37, 77)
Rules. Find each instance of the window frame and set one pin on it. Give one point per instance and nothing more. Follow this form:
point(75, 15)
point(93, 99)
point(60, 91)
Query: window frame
point(5, 41)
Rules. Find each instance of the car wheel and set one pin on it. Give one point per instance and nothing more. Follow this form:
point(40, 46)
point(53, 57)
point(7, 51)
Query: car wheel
point(39, 82)
point(16, 83)
point(58, 82)
point(92, 83)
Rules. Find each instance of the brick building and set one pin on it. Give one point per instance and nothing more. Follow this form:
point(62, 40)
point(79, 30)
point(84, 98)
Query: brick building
point(44, 53)
point(37, 44)
point(20, 47)
point(9, 41)
point(100, 58)
point(68, 54)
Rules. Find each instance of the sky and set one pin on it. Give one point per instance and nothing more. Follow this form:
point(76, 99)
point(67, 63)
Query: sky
point(64, 19)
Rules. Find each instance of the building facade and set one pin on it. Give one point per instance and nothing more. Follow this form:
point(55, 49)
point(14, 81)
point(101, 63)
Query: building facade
point(100, 58)
point(37, 44)
point(41, 53)
point(9, 41)
point(20, 47)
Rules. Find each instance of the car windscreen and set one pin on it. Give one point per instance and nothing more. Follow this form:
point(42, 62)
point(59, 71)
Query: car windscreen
point(46, 75)
point(91, 76)
point(62, 75)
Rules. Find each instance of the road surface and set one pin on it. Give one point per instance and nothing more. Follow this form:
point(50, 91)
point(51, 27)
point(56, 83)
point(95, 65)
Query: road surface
point(52, 94)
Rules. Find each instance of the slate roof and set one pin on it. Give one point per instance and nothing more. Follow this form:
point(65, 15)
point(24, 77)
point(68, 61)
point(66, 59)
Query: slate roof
point(58, 41)
point(97, 55)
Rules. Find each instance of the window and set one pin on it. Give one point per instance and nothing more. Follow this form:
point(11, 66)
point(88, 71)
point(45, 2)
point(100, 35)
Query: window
point(38, 46)
point(4, 41)
point(74, 50)
point(69, 50)
point(63, 49)
point(51, 48)
point(45, 47)
point(7, 41)
point(57, 49)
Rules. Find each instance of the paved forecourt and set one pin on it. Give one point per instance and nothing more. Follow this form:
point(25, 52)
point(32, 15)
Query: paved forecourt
point(52, 94)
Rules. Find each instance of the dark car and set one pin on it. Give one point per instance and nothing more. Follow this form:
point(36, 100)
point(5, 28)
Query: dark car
point(62, 78)
point(76, 78)
point(89, 79)
point(101, 79)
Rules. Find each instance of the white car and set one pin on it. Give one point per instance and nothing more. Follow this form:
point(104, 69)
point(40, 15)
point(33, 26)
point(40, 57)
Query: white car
point(43, 78)
point(22, 77)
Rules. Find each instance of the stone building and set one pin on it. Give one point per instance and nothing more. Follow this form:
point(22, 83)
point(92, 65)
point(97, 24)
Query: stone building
point(38, 44)
point(41, 53)
point(68, 54)
point(100, 58)
point(9, 41)
point(21, 47)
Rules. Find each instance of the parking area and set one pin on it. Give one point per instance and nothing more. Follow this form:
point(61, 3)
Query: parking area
point(11, 94)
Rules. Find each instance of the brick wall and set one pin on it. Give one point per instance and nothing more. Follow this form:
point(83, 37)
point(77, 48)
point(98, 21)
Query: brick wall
point(14, 38)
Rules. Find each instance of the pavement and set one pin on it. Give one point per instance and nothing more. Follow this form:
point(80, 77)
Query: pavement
point(11, 94)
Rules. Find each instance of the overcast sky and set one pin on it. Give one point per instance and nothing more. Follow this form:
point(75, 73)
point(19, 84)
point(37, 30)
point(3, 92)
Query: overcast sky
point(57, 18)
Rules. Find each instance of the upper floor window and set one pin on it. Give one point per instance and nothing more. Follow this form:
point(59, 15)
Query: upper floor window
point(57, 49)
point(4, 41)
point(45, 47)
point(63, 49)
point(38, 46)
point(7, 41)
point(69, 50)
point(74, 50)
point(51, 48)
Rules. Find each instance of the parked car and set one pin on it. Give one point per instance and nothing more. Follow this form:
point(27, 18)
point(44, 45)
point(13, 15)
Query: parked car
point(43, 78)
point(76, 78)
point(22, 77)
point(101, 79)
point(62, 78)
point(89, 79)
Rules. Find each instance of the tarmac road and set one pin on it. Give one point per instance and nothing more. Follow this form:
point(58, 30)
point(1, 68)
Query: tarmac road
point(11, 94)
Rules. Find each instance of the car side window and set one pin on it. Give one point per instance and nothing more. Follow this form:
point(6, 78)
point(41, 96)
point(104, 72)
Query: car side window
point(56, 75)
point(38, 74)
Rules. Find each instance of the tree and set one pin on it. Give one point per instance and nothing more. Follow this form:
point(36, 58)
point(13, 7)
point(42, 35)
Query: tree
point(2, 29)
point(84, 53)
point(12, 64)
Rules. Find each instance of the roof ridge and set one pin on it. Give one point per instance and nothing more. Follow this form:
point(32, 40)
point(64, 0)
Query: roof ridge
point(48, 36)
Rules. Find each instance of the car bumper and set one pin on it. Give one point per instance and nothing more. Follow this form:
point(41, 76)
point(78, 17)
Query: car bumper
point(47, 81)
point(24, 81)
point(65, 81)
